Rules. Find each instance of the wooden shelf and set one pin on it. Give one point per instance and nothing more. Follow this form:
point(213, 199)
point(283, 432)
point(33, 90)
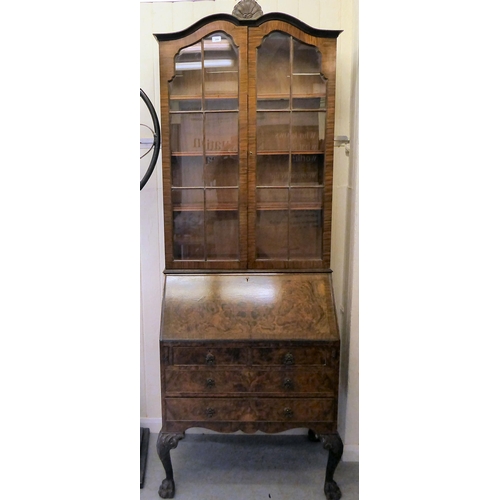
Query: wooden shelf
point(207, 153)
point(200, 98)
point(281, 97)
point(293, 152)
point(286, 206)
point(197, 208)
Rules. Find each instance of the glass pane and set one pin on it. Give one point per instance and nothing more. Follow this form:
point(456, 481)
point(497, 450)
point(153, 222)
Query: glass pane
point(185, 104)
point(272, 199)
point(305, 234)
point(306, 198)
point(186, 133)
point(222, 199)
point(272, 170)
point(307, 169)
point(187, 199)
point(221, 131)
point(273, 131)
point(222, 235)
point(221, 171)
point(273, 66)
point(188, 235)
point(271, 236)
point(221, 104)
point(309, 92)
point(221, 72)
point(279, 103)
point(187, 171)
point(306, 58)
point(308, 131)
point(187, 80)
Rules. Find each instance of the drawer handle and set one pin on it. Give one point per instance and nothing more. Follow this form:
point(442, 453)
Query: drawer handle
point(210, 383)
point(210, 359)
point(288, 412)
point(289, 359)
point(209, 412)
point(288, 383)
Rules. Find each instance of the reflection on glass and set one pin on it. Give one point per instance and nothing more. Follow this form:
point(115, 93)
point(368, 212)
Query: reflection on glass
point(272, 170)
point(252, 289)
point(273, 66)
point(221, 131)
point(186, 133)
point(221, 104)
point(308, 131)
point(271, 199)
point(204, 144)
point(307, 169)
point(221, 171)
point(188, 241)
point(222, 199)
point(306, 58)
point(222, 235)
point(187, 171)
point(305, 234)
point(185, 104)
point(221, 72)
point(271, 236)
point(273, 104)
point(187, 199)
point(273, 131)
point(305, 198)
point(187, 80)
point(291, 126)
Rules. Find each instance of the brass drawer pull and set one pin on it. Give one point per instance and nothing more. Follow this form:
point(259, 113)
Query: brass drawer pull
point(210, 359)
point(210, 383)
point(288, 412)
point(209, 412)
point(288, 383)
point(289, 359)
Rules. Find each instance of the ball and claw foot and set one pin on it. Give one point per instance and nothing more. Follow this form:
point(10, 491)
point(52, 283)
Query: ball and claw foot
point(335, 447)
point(167, 489)
point(166, 442)
point(332, 491)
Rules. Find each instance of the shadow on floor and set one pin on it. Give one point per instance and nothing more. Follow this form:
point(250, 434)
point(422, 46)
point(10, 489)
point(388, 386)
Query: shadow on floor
point(248, 467)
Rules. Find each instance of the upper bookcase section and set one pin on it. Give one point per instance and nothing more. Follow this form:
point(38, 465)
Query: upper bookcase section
point(247, 123)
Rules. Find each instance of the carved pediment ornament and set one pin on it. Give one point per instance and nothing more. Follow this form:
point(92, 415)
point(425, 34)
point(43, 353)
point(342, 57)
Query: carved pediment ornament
point(247, 9)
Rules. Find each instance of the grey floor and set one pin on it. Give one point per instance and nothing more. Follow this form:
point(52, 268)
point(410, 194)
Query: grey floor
point(248, 467)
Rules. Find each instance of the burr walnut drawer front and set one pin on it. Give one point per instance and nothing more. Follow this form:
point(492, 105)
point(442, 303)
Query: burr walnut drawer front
point(292, 356)
point(209, 356)
point(250, 409)
point(212, 381)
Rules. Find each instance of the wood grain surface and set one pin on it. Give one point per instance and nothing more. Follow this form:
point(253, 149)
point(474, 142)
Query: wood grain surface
point(249, 307)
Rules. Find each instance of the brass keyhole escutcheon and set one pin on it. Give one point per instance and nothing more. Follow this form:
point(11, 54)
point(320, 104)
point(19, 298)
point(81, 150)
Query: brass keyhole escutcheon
point(288, 383)
point(289, 359)
point(209, 412)
point(210, 359)
point(288, 412)
point(210, 383)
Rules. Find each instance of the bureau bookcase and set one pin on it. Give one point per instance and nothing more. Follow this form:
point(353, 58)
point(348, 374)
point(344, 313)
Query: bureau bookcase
point(249, 338)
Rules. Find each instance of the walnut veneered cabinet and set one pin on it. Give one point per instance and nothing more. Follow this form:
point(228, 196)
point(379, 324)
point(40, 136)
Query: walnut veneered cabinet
point(249, 338)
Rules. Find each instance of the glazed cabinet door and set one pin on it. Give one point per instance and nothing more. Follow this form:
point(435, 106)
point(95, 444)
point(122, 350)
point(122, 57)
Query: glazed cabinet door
point(291, 99)
point(204, 120)
point(248, 133)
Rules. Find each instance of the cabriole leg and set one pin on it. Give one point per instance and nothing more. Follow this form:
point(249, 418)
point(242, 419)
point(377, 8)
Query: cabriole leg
point(165, 443)
point(335, 447)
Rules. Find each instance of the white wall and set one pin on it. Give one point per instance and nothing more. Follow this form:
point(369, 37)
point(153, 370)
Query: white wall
point(166, 17)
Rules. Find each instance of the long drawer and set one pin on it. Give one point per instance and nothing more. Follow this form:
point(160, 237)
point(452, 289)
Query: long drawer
point(241, 381)
point(250, 409)
point(210, 355)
